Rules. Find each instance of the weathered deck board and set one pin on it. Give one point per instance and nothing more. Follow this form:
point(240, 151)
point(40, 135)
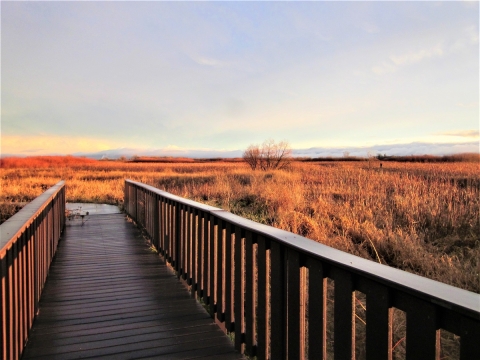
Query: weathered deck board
point(109, 296)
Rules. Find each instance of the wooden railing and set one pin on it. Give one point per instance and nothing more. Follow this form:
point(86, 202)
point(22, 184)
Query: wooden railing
point(269, 287)
point(28, 241)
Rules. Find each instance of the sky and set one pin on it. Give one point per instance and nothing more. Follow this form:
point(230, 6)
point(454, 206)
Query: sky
point(214, 77)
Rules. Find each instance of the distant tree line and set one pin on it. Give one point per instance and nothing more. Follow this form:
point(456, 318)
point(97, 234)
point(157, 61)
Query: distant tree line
point(467, 157)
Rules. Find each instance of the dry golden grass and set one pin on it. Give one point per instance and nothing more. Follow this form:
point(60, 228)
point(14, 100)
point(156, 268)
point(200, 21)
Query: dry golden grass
point(422, 218)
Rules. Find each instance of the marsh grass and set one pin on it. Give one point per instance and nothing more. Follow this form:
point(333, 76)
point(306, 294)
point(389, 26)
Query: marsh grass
point(422, 218)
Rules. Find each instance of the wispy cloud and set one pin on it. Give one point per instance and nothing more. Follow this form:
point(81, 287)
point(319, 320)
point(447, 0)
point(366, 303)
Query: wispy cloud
point(384, 68)
point(407, 58)
point(207, 61)
point(461, 133)
point(440, 47)
point(370, 28)
point(417, 56)
point(470, 37)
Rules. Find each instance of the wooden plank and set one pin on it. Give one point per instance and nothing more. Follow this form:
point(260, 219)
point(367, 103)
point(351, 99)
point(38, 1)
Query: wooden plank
point(378, 342)
point(172, 221)
point(31, 274)
point(108, 295)
point(181, 239)
point(303, 311)
point(22, 309)
point(36, 285)
point(212, 259)
point(169, 225)
point(187, 243)
point(262, 316)
point(168, 240)
point(194, 282)
point(162, 229)
point(317, 310)
point(205, 263)
point(278, 311)
point(250, 296)
point(229, 298)
point(220, 270)
point(156, 217)
point(15, 301)
point(200, 253)
point(176, 236)
point(3, 308)
point(344, 335)
point(469, 339)
point(239, 290)
point(293, 304)
point(421, 329)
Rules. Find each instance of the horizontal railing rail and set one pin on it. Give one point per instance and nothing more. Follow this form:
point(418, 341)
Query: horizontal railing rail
point(270, 287)
point(28, 242)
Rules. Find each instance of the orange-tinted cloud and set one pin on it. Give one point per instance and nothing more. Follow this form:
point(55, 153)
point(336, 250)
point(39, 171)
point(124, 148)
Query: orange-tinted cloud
point(52, 144)
point(461, 133)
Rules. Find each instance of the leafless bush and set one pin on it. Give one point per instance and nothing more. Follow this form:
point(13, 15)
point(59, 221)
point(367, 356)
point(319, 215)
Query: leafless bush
point(268, 156)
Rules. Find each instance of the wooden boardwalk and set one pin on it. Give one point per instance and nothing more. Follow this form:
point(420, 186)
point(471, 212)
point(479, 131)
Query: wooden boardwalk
point(109, 296)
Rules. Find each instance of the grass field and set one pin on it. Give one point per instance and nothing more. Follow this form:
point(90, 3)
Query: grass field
point(422, 218)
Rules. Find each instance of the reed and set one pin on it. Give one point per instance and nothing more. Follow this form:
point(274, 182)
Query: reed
point(420, 217)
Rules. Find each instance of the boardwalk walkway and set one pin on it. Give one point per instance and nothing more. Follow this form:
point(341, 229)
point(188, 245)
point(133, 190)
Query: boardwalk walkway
point(109, 296)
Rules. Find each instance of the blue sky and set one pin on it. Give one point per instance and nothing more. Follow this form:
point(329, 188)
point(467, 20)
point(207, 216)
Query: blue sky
point(218, 76)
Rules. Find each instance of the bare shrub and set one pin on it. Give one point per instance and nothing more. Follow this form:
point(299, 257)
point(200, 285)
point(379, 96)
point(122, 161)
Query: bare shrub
point(269, 156)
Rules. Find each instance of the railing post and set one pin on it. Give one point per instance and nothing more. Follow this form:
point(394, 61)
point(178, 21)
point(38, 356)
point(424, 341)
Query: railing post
point(251, 296)
point(278, 311)
point(262, 306)
point(206, 257)
point(317, 310)
point(178, 237)
point(195, 241)
point(378, 341)
point(344, 332)
point(220, 270)
point(293, 304)
point(239, 291)
point(229, 285)
point(421, 330)
point(470, 335)
point(156, 222)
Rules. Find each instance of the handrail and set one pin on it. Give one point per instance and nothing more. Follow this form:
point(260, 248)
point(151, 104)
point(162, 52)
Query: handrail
point(269, 286)
point(28, 242)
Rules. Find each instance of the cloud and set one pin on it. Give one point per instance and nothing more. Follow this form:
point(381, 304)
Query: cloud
point(461, 133)
point(470, 37)
point(207, 61)
point(370, 28)
point(414, 148)
point(405, 149)
point(384, 68)
point(454, 41)
point(417, 56)
point(52, 144)
point(407, 58)
point(223, 75)
point(169, 151)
